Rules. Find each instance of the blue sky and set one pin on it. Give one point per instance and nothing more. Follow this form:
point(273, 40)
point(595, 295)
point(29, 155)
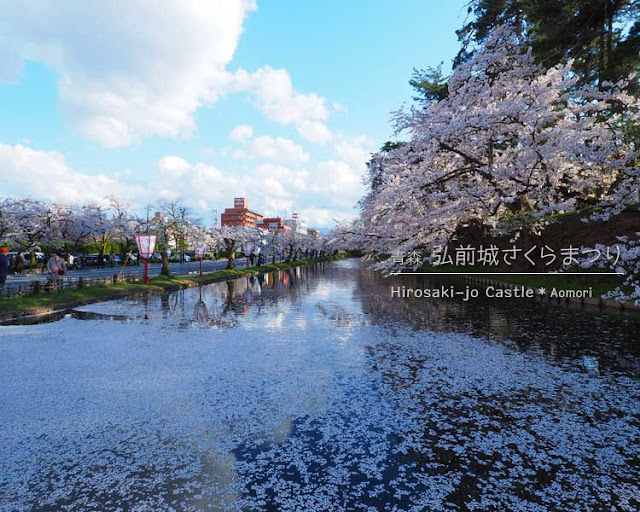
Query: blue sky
point(147, 106)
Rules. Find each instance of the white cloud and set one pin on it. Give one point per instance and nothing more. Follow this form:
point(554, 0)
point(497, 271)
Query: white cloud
point(289, 182)
point(276, 98)
point(173, 166)
point(325, 217)
point(269, 187)
point(194, 183)
point(129, 69)
point(241, 132)
point(319, 192)
point(314, 131)
point(341, 184)
point(322, 192)
point(277, 149)
point(356, 150)
point(45, 174)
point(338, 107)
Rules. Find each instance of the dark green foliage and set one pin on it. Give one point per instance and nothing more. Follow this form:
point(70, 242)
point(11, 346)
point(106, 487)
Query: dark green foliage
point(601, 36)
point(376, 171)
point(391, 146)
point(430, 84)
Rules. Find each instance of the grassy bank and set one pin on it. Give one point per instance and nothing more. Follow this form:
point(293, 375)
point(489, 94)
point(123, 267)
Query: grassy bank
point(44, 303)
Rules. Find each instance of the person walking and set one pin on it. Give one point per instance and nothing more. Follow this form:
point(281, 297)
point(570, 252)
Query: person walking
point(56, 268)
point(20, 263)
point(4, 267)
point(70, 260)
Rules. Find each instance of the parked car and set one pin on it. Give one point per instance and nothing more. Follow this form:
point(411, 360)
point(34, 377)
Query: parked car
point(39, 256)
point(92, 260)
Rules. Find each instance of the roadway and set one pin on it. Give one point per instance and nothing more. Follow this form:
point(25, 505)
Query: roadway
point(176, 269)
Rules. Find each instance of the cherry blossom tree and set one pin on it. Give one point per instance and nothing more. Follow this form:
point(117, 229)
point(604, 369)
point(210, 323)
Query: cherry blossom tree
point(97, 220)
point(347, 235)
point(6, 219)
point(271, 243)
point(69, 228)
point(622, 258)
point(510, 145)
point(30, 223)
point(124, 224)
point(230, 238)
point(165, 224)
point(315, 244)
point(292, 241)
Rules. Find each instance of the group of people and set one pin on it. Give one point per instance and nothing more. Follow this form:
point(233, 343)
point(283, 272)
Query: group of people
point(56, 267)
point(259, 256)
point(15, 264)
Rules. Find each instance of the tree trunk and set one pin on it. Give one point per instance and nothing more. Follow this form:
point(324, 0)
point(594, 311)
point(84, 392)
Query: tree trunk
point(602, 41)
point(231, 292)
point(231, 255)
point(607, 59)
point(165, 263)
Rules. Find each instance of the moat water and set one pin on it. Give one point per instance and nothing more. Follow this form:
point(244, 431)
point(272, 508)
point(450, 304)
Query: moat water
point(312, 389)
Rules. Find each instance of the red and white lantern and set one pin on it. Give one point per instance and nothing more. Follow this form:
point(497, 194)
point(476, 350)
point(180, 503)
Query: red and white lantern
point(146, 244)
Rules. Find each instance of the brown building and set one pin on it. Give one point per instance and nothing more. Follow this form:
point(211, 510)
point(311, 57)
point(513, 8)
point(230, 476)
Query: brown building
point(273, 224)
point(240, 215)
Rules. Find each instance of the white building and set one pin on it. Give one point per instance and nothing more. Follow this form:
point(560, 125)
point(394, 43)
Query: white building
point(297, 225)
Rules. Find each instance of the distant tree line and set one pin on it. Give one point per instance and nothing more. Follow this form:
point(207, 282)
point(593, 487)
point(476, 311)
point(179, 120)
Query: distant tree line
point(32, 225)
